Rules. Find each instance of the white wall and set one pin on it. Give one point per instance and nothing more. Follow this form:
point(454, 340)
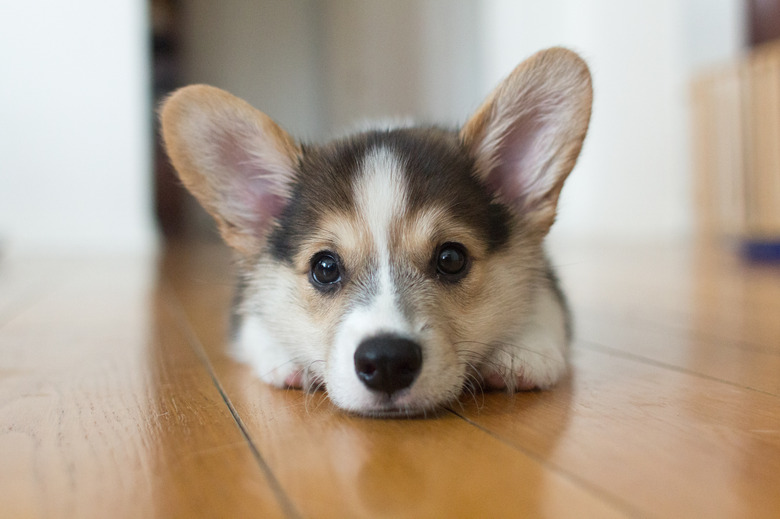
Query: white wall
point(399, 59)
point(633, 179)
point(322, 66)
point(319, 66)
point(74, 126)
point(74, 117)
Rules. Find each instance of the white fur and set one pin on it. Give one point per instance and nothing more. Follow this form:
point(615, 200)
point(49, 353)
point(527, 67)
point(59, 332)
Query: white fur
point(537, 355)
point(271, 362)
point(380, 196)
point(279, 341)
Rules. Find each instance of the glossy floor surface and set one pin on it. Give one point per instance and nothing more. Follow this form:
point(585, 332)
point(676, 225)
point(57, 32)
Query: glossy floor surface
point(117, 399)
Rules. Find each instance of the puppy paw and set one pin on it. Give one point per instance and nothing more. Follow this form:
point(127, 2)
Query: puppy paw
point(289, 377)
point(524, 370)
point(272, 364)
point(494, 380)
point(537, 357)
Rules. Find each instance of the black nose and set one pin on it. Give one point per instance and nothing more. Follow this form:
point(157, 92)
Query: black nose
point(388, 363)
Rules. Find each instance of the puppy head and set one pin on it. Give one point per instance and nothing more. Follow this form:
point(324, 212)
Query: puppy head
point(388, 265)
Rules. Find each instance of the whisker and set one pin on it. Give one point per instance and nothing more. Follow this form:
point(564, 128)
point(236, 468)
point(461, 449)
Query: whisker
point(312, 383)
point(506, 348)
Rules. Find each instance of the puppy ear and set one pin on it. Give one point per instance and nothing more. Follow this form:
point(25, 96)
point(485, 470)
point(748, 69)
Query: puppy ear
point(527, 134)
point(236, 161)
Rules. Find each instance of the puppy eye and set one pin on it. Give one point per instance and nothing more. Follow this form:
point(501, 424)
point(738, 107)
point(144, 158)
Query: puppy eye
point(325, 269)
point(451, 260)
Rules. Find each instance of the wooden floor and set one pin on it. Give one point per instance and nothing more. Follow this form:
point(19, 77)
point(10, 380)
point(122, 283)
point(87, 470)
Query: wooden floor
point(117, 400)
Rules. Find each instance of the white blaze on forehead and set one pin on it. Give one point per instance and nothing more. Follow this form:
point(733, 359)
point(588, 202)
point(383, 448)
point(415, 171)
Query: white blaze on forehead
point(380, 194)
point(381, 199)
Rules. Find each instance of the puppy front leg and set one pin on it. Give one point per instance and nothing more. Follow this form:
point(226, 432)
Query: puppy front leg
point(270, 361)
point(536, 358)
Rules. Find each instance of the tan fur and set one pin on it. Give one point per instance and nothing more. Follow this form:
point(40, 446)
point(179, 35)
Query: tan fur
point(554, 78)
point(194, 121)
point(422, 231)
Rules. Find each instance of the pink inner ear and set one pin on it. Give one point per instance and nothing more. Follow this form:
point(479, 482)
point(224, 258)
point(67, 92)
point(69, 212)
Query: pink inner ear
point(253, 182)
point(526, 136)
point(267, 205)
point(519, 161)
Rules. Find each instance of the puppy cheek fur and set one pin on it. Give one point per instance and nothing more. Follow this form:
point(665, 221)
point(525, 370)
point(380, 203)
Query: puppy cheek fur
point(463, 324)
point(276, 296)
point(494, 300)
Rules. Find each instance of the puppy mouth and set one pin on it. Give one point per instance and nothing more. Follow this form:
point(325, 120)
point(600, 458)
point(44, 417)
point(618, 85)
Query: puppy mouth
point(390, 414)
point(392, 411)
point(399, 406)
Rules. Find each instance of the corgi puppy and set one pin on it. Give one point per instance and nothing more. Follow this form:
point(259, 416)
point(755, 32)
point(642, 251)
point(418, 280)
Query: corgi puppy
point(398, 266)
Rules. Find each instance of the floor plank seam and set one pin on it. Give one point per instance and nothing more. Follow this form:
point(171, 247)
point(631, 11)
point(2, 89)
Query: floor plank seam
point(597, 491)
point(740, 345)
point(193, 340)
point(606, 350)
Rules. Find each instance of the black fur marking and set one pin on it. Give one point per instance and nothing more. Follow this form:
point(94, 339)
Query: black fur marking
point(323, 183)
point(438, 170)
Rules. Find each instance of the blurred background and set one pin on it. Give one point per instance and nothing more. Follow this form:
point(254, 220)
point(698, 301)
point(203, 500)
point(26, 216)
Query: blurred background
point(665, 159)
